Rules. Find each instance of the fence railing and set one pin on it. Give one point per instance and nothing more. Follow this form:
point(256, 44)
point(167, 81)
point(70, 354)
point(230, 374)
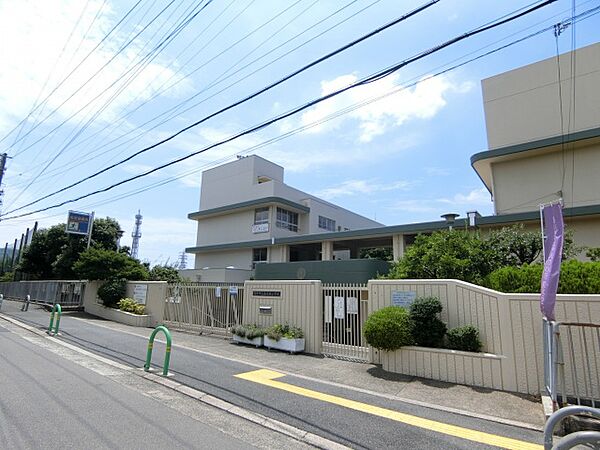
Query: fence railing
point(204, 307)
point(345, 309)
point(572, 363)
point(67, 293)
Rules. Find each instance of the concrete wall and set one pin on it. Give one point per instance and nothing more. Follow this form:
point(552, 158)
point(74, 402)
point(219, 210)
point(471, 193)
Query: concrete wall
point(523, 105)
point(239, 258)
point(300, 304)
point(510, 326)
point(155, 302)
point(522, 183)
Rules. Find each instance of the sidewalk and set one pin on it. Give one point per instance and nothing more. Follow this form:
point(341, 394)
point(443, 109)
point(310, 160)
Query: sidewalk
point(515, 409)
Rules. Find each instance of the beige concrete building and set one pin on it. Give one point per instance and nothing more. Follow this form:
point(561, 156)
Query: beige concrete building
point(543, 145)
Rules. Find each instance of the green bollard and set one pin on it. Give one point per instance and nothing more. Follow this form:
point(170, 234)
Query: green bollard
point(167, 352)
point(55, 309)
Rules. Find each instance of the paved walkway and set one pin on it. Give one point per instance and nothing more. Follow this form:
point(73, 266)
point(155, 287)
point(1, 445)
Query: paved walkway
point(479, 402)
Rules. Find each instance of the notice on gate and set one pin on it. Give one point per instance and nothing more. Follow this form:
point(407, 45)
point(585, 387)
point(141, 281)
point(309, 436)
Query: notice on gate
point(338, 307)
point(218, 292)
point(352, 305)
point(140, 291)
point(327, 311)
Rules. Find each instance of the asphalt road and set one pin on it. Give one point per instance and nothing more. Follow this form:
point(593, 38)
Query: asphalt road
point(50, 402)
point(216, 376)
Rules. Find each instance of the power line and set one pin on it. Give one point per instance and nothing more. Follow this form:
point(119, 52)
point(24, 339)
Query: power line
point(417, 79)
point(212, 84)
point(74, 70)
point(370, 79)
point(247, 98)
point(139, 66)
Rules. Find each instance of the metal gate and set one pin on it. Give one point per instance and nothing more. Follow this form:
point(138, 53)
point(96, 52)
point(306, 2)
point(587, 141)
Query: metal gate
point(66, 293)
point(345, 309)
point(204, 307)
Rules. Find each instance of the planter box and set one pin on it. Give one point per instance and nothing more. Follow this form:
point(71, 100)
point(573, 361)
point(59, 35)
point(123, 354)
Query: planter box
point(116, 315)
point(287, 345)
point(257, 341)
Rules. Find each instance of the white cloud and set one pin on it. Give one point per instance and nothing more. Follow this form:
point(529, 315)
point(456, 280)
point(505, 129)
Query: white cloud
point(475, 197)
point(414, 206)
point(365, 187)
point(423, 101)
point(36, 32)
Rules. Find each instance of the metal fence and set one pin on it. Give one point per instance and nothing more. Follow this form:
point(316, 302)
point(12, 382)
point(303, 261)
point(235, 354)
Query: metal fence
point(204, 307)
point(66, 293)
point(572, 363)
point(345, 309)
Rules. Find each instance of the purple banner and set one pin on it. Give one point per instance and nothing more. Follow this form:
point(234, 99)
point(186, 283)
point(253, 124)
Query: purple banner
point(553, 247)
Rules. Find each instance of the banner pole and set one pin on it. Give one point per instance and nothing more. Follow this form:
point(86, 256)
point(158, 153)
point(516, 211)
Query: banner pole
point(90, 230)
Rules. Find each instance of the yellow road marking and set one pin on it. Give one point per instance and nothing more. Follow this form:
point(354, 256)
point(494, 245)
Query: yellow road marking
point(268, 378)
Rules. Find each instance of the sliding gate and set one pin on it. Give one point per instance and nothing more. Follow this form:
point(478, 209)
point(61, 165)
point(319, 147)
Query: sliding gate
point(345, 309)
point(204, 307)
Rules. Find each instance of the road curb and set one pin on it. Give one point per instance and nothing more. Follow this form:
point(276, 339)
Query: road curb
point(264, 421)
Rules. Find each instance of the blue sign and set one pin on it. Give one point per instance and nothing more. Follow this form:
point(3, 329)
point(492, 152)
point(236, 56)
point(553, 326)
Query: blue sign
point(78, 222)
point(403, 298)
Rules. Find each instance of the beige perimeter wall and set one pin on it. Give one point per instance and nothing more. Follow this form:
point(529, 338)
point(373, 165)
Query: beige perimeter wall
point(299, 304)
point(510, 326)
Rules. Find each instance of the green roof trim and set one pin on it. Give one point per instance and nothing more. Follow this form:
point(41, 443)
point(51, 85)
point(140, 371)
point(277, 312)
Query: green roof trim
point(411, 228)
point(534, 145)
point(248, 204)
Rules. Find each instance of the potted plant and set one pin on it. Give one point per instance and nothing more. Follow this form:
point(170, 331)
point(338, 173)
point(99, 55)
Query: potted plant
point(284, 337)
point(248, 334)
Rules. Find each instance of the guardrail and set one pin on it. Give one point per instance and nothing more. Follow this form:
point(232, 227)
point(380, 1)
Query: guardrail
point(572, 363)
point(573, 439)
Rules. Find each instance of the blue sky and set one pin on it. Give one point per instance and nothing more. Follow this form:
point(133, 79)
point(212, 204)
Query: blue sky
point(401, 159)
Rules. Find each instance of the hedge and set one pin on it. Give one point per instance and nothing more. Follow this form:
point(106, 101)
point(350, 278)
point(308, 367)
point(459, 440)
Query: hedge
point(576, 277)
point(389, 328)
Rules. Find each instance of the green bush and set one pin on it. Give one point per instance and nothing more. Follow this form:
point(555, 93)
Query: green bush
point(278, 331)
point(248, 331)
point(464, 338)
point(576, 277)
point(389, 328)
point(111, 292)
point(428, 329)
point(130, 305)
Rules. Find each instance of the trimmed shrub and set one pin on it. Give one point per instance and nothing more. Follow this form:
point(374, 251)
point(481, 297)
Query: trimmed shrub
point(524, 279)
point(389, 328)
point(576, 277)
point(464, 338)
point(111, 292)
point(130, 305)
point(428, 329)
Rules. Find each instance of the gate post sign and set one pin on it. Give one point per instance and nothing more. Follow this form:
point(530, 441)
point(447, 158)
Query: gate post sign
point(80, 223)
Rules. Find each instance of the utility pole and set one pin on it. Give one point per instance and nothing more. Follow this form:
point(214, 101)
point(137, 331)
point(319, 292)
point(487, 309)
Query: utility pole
point(2, 168)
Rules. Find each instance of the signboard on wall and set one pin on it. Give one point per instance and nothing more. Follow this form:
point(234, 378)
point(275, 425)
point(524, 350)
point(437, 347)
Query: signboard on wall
point(140, 291)
point(260, 228)
point(78, 222)
point(403, 298)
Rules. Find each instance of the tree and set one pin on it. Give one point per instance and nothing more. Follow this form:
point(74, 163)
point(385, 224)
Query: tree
point(383, 253)
point(53, 251)
point(447, 254)
point(100, 264)
point(165, 273)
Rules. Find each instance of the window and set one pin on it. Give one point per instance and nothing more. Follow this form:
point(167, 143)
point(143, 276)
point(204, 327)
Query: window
point(287, 219)
point(326, 223)
point(261, 215)
point(259, 255)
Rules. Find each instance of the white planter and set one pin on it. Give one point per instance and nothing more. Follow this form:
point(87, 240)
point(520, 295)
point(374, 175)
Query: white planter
point(287, 345)
point(257, 341)
point(116, 315)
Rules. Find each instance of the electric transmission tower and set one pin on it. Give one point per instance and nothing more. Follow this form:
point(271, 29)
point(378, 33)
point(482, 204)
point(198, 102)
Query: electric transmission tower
point(182, 260)
point(136, 235)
